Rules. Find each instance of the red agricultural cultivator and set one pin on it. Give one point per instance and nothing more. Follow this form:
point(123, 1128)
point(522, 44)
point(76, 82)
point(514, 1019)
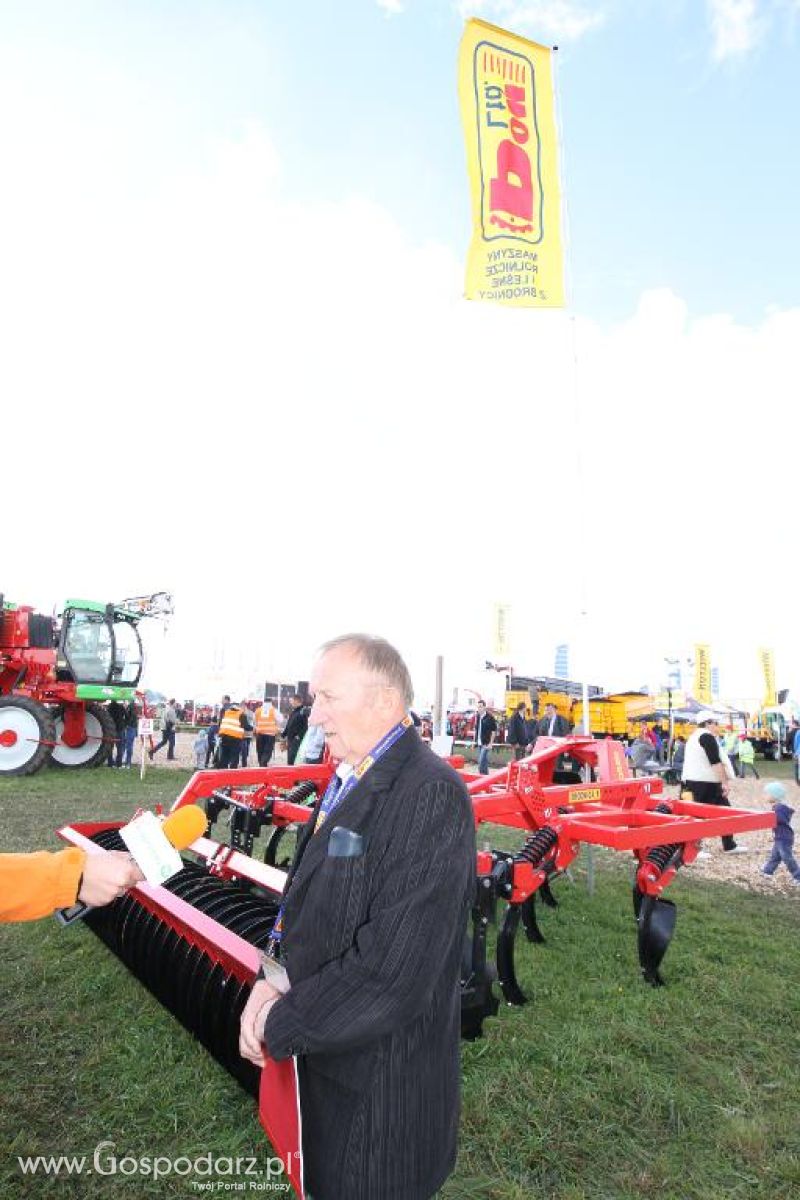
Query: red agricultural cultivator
point(194, 941)
point(611, 809)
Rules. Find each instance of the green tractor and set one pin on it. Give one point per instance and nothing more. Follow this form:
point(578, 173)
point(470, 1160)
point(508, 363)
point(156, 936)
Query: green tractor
point(57, 678)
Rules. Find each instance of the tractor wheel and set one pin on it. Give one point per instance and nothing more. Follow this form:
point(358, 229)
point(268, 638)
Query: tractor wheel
point(100, 733)
point(27, 734)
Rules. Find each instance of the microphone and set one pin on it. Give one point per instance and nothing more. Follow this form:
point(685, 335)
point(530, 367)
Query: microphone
point(184, 826)
point(154, 847)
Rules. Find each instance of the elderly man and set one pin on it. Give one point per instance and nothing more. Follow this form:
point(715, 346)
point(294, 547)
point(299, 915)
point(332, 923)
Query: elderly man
point(704, 773)
point(370, 935)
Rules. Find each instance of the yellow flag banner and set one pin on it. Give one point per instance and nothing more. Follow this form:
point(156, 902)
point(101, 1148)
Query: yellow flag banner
point(702, 674)
point(768, 667)
point(505, 87)
point(501, 647)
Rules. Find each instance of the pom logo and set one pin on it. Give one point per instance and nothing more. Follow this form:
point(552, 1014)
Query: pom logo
point(508, 144)
point(505, 87)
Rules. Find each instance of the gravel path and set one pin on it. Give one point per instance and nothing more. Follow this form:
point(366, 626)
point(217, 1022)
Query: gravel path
point(184, 754)
point(743, 869)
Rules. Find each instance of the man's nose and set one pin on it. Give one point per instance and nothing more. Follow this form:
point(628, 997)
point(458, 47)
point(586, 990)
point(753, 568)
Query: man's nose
point(315, 716)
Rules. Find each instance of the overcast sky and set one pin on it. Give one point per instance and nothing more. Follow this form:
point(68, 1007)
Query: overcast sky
point(237, 364)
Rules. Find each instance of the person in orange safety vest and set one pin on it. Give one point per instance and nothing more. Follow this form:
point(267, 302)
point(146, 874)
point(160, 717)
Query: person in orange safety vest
point(266, 732)
point(231, 734)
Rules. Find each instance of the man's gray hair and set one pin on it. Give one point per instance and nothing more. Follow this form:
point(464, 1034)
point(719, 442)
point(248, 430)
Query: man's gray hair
point(379, 657)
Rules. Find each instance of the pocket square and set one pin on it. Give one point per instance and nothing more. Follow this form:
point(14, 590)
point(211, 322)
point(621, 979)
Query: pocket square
point(345, 843)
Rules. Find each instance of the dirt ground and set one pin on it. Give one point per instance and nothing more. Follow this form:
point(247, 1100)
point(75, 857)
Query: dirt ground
point(741, 869)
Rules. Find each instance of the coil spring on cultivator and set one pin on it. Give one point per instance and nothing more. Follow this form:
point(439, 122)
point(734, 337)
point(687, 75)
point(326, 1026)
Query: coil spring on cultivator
point(205, 997)
point(537, 846)
point(659, 856)
point(301, 792)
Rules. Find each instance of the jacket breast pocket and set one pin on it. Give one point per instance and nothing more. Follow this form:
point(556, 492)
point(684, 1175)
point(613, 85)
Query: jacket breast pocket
point(345, 843)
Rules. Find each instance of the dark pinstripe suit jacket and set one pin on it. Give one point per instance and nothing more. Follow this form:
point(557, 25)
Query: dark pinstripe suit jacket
point(372, 945)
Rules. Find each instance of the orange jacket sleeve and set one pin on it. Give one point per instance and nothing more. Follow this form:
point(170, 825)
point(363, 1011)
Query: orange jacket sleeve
point(34, 885)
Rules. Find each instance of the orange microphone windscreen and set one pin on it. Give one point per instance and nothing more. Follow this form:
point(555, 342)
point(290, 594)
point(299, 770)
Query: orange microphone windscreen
point(185, 826)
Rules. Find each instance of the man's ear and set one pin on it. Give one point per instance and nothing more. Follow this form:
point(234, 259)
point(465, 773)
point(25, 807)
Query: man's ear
point(386, 699)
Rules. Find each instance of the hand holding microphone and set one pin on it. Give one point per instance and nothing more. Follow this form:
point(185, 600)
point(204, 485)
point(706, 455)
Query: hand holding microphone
point(153, 856)
point(106, 877)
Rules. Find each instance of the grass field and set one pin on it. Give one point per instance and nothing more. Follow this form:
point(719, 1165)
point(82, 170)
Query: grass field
point(599, 1088)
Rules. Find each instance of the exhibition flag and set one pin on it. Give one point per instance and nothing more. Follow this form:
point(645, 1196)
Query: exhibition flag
point(508, 110)
point(768, 667)
point(702, 673)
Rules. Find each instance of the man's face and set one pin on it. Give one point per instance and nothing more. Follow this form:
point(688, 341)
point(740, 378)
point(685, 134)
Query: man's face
point(352, 706)
point(550, 710)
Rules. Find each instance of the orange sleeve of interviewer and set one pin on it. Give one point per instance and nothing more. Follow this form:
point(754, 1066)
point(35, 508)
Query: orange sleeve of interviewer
point(34, 885)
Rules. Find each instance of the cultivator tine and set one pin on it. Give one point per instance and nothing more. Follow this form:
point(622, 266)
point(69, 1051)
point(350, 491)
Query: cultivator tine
point(271, 850)
point(529, 922)
point(505, 956)
point(478, 1000)
point(655, 919)
point(547, 896)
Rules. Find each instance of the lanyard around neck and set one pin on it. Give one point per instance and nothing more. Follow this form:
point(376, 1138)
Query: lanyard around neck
point(334, 795)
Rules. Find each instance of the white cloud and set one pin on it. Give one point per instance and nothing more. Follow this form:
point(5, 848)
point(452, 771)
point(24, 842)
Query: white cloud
point(737, 26)
point(285, 413)
point(539, 19)
point(392, 8)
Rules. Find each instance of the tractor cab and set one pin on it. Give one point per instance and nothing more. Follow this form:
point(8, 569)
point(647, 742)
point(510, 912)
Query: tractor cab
point(99, 644)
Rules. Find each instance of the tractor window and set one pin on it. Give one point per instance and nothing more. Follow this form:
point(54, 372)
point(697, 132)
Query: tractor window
point(128, 657)
point(87, 646)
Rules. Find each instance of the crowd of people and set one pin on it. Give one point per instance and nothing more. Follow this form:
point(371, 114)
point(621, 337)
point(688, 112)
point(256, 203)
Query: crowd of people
point(227, 741)
point(649, 747)
point(703, 764)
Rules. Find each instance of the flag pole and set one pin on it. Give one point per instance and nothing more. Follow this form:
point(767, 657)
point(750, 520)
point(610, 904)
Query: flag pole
point(583, 604)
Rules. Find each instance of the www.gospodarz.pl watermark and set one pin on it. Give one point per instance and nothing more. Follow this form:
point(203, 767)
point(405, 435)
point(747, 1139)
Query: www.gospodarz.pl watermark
point(209, 1173)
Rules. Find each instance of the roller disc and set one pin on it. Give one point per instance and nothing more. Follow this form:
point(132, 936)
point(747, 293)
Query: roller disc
point(198, 991)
